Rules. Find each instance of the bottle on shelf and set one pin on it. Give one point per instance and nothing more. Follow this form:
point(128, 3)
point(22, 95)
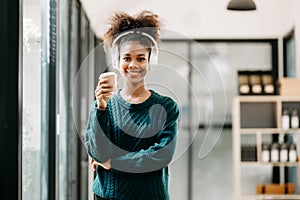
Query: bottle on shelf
point(244, 86)
point(285, 120)
point(283, 152)
point(275, 152)
point(255, 81)
point(267, 82)
point(292, 153)
point(294, 119)
point(265, 153)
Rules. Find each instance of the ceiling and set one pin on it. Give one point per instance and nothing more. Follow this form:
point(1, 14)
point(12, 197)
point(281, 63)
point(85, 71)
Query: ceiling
point(200, 18)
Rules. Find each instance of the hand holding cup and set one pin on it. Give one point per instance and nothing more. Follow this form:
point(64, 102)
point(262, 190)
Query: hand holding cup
point(106, 87)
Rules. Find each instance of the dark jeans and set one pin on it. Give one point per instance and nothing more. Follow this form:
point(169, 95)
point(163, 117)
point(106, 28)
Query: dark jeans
point(99, 198)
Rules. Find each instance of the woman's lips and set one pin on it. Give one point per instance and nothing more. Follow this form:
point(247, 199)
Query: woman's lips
point(134, 72)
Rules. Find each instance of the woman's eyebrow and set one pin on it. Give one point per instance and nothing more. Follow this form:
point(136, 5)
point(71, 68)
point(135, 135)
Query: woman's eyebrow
point(128, 54)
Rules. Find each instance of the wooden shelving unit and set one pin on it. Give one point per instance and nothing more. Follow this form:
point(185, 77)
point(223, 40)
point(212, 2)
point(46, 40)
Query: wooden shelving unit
point(267, 111)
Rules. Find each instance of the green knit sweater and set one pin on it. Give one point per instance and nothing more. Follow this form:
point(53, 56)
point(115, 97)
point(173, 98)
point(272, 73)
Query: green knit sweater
point(140, 139)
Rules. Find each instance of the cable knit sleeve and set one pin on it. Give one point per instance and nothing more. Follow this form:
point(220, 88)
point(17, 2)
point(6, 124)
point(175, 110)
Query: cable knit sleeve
point(160, 154)
point(97, 134)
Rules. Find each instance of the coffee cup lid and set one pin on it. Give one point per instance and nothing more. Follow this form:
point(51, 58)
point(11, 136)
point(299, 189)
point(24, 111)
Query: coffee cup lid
point(105, 74)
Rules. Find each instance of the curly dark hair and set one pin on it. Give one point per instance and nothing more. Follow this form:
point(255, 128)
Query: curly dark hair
point(145, 21)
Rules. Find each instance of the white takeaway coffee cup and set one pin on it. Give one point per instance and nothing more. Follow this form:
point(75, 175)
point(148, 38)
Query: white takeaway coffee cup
point(112, 79)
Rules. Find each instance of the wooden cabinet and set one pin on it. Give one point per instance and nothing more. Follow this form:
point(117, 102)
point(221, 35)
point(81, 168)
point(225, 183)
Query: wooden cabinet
point(256, 121)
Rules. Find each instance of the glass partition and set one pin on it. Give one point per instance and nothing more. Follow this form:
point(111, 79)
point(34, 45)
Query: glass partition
point(31, 100)
point(205, 170)
point(54, 161)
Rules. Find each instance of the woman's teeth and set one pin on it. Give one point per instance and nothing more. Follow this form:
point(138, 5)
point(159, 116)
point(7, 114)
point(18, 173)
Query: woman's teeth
point(133, 72)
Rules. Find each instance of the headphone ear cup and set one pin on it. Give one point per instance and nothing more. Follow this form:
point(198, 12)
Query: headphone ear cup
point(115, 57)
point(153, 56)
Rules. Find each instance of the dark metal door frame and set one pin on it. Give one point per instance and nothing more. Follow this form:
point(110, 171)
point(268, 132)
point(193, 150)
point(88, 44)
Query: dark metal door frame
point(10, 101)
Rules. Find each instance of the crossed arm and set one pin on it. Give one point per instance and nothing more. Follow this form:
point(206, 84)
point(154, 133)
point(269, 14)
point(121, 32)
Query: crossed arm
point(155, 157)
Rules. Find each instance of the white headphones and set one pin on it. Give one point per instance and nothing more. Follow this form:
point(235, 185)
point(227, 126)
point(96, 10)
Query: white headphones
point(114, 52)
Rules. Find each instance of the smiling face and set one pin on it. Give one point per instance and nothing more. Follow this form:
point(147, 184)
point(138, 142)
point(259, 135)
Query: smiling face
point(134, 60)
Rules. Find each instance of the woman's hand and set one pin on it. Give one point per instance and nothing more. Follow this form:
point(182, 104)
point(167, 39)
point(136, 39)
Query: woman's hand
point(103, 92)
point(105, 165)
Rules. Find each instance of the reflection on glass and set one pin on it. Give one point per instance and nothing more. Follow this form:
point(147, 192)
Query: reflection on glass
point(211, 60)
point(226, 58)
point(31, 100)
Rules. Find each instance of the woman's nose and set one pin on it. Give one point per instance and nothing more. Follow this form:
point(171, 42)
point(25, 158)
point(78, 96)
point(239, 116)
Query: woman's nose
point(133, 64)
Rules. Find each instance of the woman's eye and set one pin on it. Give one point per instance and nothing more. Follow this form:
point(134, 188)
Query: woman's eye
point(141, 59)
point(126, 58)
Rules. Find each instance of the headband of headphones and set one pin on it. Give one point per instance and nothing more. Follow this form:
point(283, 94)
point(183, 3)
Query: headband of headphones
point(115, 54)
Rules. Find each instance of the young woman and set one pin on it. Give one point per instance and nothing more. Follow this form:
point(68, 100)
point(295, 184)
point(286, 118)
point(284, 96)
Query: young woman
point(131, 136)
